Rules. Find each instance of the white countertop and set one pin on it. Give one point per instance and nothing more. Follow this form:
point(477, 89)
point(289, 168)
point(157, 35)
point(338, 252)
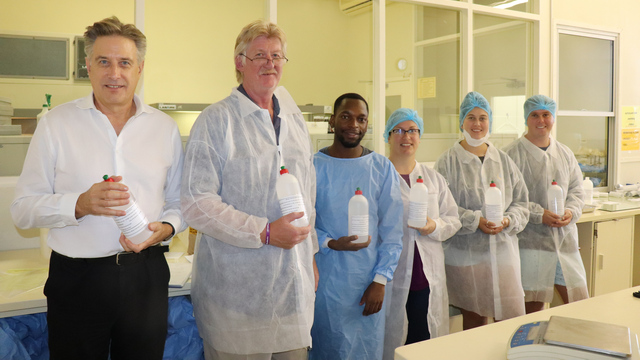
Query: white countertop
point(490, 341)
point(24, 272)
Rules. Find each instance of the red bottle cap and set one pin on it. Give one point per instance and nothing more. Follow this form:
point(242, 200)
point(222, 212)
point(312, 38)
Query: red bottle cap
point(554, 182)
point(107, 178)
point(283, 170)
point(492, 184)
point(358, 191)
point(420, 179)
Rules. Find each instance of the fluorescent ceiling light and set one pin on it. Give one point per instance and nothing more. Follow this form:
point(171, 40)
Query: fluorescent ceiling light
point(509, 4)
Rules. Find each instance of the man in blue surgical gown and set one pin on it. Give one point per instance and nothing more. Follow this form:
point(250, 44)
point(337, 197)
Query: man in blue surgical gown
point(352, 292)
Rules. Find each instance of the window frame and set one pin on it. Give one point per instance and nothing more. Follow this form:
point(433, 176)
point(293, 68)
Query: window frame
point(613, 140)
point(467, 9)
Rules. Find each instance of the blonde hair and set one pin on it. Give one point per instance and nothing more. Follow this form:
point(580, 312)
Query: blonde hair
point(253, 31)
point(113, 26)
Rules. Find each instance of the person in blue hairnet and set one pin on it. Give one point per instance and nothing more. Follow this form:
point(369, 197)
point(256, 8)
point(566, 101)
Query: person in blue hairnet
point(419, 308)
point(353, 294)
point(482, 259)
point(549, 244)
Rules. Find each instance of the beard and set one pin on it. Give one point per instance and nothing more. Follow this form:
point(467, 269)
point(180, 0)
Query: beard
point(349, 144)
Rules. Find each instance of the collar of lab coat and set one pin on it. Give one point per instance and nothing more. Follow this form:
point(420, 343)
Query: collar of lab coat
point(467, 157)
point(413, 176)
point(88, 103)
point(537, 153)
point(248, 107)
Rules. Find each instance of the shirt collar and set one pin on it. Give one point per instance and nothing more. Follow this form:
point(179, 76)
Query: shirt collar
point(88, 103)
point(467, 157)
point(538, 153)
point(274, 99)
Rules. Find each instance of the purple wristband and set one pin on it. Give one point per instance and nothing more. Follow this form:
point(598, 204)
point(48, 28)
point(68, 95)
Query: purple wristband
point(267, 238)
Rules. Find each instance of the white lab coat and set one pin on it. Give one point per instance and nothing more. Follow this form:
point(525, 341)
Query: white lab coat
point(469, 263)
point(539, 250)
point(444, 211)
point(248, 297)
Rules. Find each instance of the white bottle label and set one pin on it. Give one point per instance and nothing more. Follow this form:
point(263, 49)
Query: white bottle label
point(133, 223)
point(557, 206)
point(418, 211)
point(494, 213)
point(359, 224)
point(293, 203)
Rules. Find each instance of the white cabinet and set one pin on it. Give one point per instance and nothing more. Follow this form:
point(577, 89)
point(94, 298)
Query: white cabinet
point(606, 248)
point(612, 255)
point(13, 150)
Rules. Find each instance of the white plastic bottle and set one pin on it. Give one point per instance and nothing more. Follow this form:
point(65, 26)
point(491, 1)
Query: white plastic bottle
point(493, 204)
point(555, 199)
point(359, 217)
point(134, 224)
point(418, 204)
point(587, 185)
point(290, 197)
point(45, 109)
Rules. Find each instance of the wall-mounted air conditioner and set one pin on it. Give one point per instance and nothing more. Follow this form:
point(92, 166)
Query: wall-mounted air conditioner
point(349, 6)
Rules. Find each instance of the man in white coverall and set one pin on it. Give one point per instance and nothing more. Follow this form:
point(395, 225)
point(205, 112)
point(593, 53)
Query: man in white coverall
point(549, 244)
point(253, 291)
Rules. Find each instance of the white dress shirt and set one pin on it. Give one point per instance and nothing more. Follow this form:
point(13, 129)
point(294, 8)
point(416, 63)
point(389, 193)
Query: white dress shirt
point(73, 146)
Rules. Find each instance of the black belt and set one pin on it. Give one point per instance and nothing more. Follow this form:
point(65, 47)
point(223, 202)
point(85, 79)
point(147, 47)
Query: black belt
point(124, 258)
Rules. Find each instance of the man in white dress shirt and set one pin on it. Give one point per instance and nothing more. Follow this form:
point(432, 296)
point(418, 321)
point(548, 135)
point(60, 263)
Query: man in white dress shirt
point(105, 294)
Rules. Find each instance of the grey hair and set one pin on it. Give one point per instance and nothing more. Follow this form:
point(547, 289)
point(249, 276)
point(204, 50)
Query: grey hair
point(253, 31)
point(113, 26)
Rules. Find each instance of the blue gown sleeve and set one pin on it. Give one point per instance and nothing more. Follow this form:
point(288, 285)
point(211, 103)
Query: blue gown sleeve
point(390, 212)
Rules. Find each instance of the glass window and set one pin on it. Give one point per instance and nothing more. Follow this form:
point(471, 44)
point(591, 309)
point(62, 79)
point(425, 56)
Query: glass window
point(585, 100)
point(438, 68)
point(449, 57)
point(501, 69)
point(586, 73)
point(588, 138)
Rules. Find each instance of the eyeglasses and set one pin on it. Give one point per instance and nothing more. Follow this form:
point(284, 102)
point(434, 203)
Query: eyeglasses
point(263, 60)
point(411, 132)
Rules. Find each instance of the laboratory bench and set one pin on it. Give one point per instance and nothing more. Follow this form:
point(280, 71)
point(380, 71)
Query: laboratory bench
point(23, 274)
point(490, 341)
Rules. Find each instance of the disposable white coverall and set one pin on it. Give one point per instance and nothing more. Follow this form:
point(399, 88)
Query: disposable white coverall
point(539, 251)
point(340, 331)
point(248, 297)
point(444, 211)
point(468, 259)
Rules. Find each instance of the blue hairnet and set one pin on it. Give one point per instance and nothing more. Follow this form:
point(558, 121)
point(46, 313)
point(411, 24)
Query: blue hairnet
point(400, 115)
point(539, 102)
point(475, 100)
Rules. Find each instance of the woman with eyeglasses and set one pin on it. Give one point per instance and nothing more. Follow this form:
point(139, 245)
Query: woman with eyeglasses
point(419, 301)
point(482, 260)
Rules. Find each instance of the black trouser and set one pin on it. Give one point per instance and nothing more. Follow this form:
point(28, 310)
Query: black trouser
point(417, 309)
point(100, 306)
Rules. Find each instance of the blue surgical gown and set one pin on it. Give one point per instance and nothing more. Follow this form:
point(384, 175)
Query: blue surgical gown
point(340, 331)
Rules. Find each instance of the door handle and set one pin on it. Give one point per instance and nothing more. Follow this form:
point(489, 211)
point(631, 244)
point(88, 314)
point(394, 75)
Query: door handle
point(600, 261)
